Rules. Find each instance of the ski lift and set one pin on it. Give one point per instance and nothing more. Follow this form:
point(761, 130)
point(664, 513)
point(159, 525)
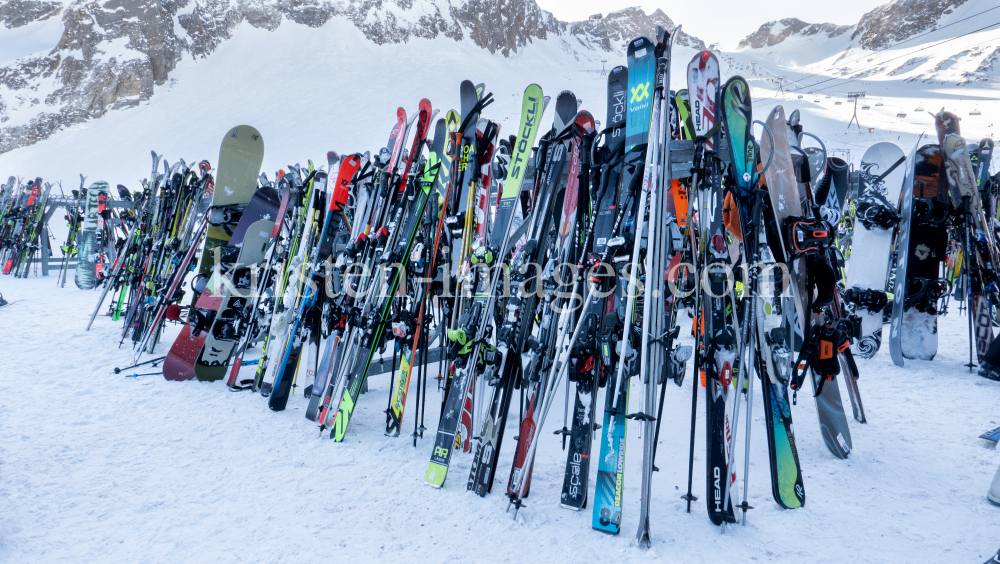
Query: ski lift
point(816, 101)
point(838, 103)
point(975, 113)
point(827, 97)
point(901, 115)
point(866, 107)
point(800, 96)
point(918, 109)
point(877, 104)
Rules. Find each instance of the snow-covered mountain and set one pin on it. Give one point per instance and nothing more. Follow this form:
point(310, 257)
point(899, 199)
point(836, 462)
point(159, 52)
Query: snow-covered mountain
point(315, 75)
point(905, 58)
point(957, 41)
point(774, 33)
point(91, 57)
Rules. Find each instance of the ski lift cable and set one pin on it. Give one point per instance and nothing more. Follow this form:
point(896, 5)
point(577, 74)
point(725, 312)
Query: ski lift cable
point(849, 80)
point(904, 55)
point(907, 40)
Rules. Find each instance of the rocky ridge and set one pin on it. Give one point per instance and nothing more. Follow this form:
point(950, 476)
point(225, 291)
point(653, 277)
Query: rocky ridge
point(890, 23)
point(773, 33)
point(900, 20)
point(113, 53)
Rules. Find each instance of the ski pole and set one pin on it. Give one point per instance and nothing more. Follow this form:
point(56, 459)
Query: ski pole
point(152, 361)
point(746, 448)
point(740, 381)
point(689, 497)
point(968, 282)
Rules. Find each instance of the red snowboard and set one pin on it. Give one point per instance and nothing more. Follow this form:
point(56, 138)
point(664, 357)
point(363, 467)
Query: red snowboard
point(179, 364)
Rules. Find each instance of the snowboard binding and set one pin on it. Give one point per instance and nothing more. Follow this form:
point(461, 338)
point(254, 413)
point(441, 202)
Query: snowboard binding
point(872, 300)
point(874, 215)
point(226, 330)
point(200, 319)
point(804, 236)
point(225, 214)
point(822, 353)
point(923, 294)
point(175, 312)
point(929, 211)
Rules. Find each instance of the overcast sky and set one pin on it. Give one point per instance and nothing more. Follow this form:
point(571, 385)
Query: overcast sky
point(722, 21)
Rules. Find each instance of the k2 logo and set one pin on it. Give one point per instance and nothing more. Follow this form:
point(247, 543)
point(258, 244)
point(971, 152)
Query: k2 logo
point(639, 93)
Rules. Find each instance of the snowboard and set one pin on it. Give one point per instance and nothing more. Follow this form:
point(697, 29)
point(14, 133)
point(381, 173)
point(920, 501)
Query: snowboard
point(773, 356)
point(882, 173)
point(180, 359)
point(774, 359)
point(251, 236)
point(240, 156)
point(785, 201)
point(923, 243)
point(832, 189)
point(89, 239)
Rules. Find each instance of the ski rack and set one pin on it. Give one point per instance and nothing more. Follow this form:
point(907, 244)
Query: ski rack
point(67, 202)
point(682, 158)
point(385, 365)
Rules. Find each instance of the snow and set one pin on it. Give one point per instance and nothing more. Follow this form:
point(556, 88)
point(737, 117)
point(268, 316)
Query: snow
point(950, 64)
point(119, 49)
point(103, 467)
point(340, 92)
point(35, 39)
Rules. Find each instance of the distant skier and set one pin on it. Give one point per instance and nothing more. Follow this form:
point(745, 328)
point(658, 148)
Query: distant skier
point(3, 302)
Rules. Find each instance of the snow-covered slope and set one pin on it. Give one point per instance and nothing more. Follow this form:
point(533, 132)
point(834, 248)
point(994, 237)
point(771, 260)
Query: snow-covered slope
point(69, 63)
point(908, 57)
point(951, 42)
point(338, 92)
point(99, 467)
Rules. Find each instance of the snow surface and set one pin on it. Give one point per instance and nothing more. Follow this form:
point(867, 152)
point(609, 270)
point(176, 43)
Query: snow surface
point(949, 66)
point(339, 91)
point(36, 38)
point(99, 467)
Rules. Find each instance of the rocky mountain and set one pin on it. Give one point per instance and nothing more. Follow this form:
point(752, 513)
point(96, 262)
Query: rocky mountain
point(773, 33)
point(930, 41)
point(614, 29)
point(113, 53)
point(888, 24)
point(900, 20)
